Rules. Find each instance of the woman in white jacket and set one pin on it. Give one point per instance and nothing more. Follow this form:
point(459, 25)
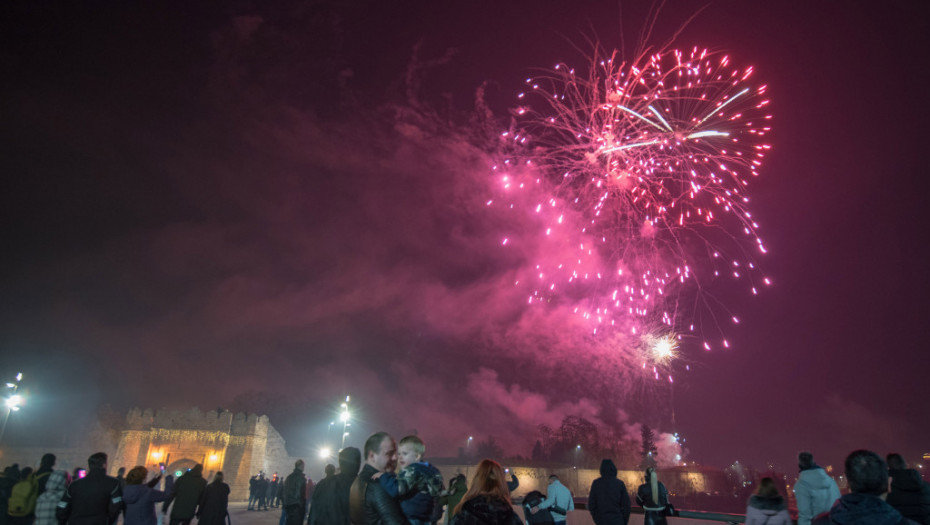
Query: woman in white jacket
point(766, 506)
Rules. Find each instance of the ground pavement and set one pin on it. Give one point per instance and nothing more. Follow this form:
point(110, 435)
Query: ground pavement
point(238, 515)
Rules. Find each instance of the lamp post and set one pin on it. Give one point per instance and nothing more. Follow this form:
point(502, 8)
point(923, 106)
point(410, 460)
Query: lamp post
point(11, 402)
point(344, 416)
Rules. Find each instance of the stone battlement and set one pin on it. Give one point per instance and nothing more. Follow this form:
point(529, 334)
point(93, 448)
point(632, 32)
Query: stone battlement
point(239, 424)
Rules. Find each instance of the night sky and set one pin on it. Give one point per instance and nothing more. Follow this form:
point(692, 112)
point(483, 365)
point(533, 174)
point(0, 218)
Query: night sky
point(252, 206)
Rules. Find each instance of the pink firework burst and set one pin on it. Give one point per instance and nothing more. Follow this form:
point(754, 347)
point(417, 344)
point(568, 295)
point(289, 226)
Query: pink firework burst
point(638, 173)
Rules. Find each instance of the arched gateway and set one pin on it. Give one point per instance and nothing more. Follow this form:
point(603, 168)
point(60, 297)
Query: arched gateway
point(239, 445)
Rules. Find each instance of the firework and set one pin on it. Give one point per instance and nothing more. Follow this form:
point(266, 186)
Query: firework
point(638, 172)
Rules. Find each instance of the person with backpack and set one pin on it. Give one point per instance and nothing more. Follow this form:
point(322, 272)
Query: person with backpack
point(21, 505)
point(95, 499)
point(9, 478)
point(46, 465)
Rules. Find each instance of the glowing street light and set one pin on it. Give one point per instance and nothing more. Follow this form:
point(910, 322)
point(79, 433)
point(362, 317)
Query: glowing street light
point(13, 402)
point(345, 416)
point(325, 452)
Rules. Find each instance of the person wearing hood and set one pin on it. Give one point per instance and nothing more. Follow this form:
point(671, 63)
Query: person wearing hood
point(330, 500)
point(214, 506)
point(140, 498)
point(186, 495)
point(487, 501)
point(47, 502)
point(910, 494)
point(815, 491)
point(867, 474)
point(766, 506)
point(608, 501)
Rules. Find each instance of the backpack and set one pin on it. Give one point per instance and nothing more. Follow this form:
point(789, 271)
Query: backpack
point(23, 496)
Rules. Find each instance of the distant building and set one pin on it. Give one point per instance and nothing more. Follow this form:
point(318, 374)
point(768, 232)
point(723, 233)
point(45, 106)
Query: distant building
point(239, 445)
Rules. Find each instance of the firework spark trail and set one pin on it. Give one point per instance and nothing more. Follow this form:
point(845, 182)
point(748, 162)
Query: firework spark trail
point(638, 171)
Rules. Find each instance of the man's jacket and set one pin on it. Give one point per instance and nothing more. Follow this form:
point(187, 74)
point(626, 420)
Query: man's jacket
point(370, 504)
point(94, 500)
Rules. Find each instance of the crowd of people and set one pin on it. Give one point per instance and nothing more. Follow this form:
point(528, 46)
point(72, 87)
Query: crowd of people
point(388, 483)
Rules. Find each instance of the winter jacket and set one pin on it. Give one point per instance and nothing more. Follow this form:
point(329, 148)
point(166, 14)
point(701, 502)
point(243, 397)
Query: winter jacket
point(9, 478)
point(862, 509)
point(767, 511)
point(513, 483)
point(295, 487)
point(95, 499)
point(910, 495)
point(47, 502)
point(558, 500)
point(214, 504)
point(457, 489)
point(42, 478)
point(815, 492)
point(186, 495)
point(608, 501)
point(370, 504)
point(653, 508)
point(330, 501)
point(140, 504)
point(417, 486)
point(533, 499)
point(483, 510)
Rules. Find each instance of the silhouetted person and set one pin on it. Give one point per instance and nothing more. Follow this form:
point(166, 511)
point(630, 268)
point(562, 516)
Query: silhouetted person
point(608, 501)
point(46, 465)
point(910, 494)
point(652, 496)
point(95, 499)
point(531, 500)
point(10, 477)
point(867, 475)
point(330, 501)
point(253, 492)
point(295, 495)
point(214, 505)
point(186, 495)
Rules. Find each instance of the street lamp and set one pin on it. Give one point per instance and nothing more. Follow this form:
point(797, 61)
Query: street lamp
point(345, 416)
point(12, 402)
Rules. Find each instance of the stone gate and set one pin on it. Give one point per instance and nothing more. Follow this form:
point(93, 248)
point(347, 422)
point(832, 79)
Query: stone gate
point(239, 445)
